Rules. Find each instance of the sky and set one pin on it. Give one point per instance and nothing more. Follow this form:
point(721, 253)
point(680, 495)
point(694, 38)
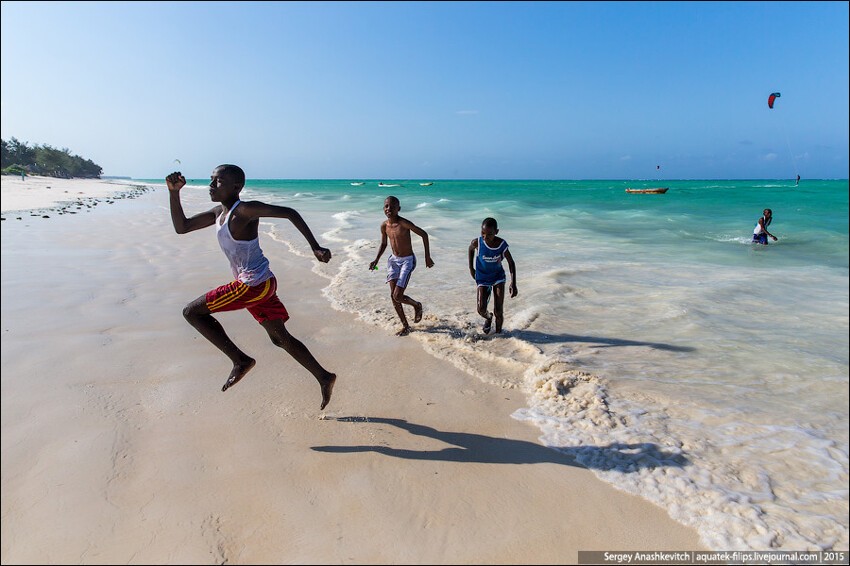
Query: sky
point(433, 90)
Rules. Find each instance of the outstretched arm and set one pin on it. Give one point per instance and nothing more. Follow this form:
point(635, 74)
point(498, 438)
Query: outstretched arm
point(382, 247)
point(256, 210)
point(182, 225)
point(512, 267)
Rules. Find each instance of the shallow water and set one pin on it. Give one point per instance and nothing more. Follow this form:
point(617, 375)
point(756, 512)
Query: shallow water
point(655, 343)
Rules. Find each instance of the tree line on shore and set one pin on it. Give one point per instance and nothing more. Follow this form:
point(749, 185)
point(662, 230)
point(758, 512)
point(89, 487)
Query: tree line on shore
point(19, 158)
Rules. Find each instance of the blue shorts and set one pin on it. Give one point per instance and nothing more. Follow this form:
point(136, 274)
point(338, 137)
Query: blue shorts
point(399, 269)
point(490, 279)
point(760, 238)
point(489, 282)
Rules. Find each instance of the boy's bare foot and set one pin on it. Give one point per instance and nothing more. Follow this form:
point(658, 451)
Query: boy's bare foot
point(403, 332)
point(488, 324)
point(417, 312)
point(327, 385)
point(238, 372)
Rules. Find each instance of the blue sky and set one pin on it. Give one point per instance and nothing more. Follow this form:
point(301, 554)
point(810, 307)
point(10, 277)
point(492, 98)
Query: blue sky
point(442, 90)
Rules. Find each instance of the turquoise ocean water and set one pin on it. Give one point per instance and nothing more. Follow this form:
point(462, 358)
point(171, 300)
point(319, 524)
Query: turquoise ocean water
point(653, 341)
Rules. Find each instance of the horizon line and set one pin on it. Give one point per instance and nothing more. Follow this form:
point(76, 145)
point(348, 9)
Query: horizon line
point(360, 179)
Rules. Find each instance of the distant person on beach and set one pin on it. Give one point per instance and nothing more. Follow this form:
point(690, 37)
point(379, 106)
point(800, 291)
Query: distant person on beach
point(798, 181)
point(760, 233)
point(402, 261)
point(254, 287)
point(485, 265)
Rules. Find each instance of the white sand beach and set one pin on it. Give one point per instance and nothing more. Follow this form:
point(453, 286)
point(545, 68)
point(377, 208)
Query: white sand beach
point(118, 446)
point(38, 192)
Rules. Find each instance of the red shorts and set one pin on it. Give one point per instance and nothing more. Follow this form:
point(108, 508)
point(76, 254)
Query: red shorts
point(260, 300)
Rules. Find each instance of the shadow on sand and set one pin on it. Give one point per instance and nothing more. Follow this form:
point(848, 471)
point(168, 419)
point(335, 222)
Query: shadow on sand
point(535, 337)
point(477, 448)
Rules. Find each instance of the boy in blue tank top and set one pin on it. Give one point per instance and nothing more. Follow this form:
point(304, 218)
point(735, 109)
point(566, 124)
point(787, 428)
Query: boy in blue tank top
point(485, 265)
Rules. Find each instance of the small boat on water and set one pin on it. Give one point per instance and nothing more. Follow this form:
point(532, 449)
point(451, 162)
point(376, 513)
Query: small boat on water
point(653, 191)
point(425, 184)
point(382, 184)
point(357, 184)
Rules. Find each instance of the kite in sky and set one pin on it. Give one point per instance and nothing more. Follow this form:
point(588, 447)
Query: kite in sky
point(773, 96)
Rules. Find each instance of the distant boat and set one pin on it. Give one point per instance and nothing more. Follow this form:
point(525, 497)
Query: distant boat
point(382, 184)
point(425, 184)
point(654, 191)
point(357, 184)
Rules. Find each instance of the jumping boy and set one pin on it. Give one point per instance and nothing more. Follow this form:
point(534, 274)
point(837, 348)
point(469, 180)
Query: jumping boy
point(402, 261)
point(485, 265)
point(254, 287)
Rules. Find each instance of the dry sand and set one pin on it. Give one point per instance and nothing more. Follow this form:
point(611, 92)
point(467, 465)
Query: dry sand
point(36, 193)
point(118, 445)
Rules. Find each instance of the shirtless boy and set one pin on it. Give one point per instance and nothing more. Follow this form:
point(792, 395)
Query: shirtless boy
point(402, 261)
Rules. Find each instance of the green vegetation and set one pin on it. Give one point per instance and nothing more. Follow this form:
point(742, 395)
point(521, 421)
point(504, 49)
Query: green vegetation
point(45, 160)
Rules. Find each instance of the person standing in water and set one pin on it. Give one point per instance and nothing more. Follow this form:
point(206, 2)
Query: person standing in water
point(254, 287)
point(760, 233)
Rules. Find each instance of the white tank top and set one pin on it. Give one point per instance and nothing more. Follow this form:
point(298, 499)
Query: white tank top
point(247, 261)
point(758, 229)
